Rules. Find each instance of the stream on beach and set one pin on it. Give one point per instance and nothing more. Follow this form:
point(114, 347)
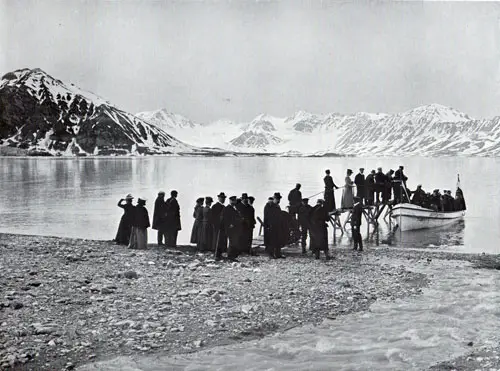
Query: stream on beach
point(77, 198)
point(461, 305)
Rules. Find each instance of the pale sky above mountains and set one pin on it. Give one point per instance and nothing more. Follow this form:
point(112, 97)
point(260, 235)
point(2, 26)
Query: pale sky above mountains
point(210, 60)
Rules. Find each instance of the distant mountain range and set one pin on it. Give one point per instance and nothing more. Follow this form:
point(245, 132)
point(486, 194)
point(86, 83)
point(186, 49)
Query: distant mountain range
point(40, 115)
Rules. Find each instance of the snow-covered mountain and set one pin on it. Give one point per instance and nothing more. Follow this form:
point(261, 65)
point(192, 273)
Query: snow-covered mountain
point(41, 115)
point(430, 130)
point(166, 120)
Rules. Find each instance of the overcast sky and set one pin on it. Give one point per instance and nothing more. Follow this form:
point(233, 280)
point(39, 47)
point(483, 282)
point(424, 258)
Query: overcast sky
point(234, 59)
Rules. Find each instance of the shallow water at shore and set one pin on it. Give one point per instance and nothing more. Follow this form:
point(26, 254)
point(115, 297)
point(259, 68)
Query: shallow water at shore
point(461, 305)
point(77, 197)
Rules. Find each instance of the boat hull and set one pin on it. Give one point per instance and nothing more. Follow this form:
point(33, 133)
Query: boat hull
point(411, 217)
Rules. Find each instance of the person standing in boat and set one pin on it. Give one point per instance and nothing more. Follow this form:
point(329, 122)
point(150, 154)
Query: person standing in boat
point(140, 225)
point(304, 223)
point(359, 180)
point(347, 192)
point(319, 218)
point(205, 229)
point(173, 220)
point(125, 226)
point(370, 188)
point(356, 217)
point(198, 217)
point(159, 217)
point(220, 237)
point(329, 194)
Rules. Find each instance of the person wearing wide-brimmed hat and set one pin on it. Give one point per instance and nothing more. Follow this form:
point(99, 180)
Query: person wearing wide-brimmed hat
point(206, 230)
point(125, 226)
point(160, 217)
point(198, 218)
point(347, 192)
point(319, 218)
point(220, 237)
point(173, 222)
point(140, 225)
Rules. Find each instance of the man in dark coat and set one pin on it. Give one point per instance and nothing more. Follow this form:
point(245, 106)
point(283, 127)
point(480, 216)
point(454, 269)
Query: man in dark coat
point(159, 217)
point(267, 232)
point(418, 197)
point(275, 224)
point(380, 184)
point(399, 182)
point(319, 218)
point(435, 201)
point(370, 188)
point(253, 222)
point(294, 199)
point(173, 220)
point(388, 185)
point(329, 195)
point(359, 180)
point(356, 217)
point(220, 237)
point(248, 223)
point(304, 215)
point(232, 221)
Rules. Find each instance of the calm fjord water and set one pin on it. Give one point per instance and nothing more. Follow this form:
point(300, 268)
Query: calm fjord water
point(77, 197)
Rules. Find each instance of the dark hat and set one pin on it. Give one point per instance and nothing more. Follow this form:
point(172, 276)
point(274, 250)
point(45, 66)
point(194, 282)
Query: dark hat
point(305, 200)
point(401, 167)
point(251, 198)
point(349, 170)
point(277, 195)
point(161, 193)
point(373, 171)
point(129, 197)
point(209, 199)
point(270, 198)
point(327, 171)
point(222, 194)
point(201, 199)
point(174, 193)
point(244, 196)
point(361, 168)
point(141, 200)
point(232, 198)
point(298, 185)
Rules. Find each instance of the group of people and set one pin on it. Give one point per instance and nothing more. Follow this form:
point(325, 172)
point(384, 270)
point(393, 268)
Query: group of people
point(373, 189)
point(228, 229)
point(132, 230)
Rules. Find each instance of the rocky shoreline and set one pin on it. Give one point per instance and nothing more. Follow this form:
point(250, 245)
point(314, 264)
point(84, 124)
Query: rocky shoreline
point(67, 302)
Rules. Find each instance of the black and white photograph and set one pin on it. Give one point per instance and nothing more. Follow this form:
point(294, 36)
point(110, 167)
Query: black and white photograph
point(249, 185)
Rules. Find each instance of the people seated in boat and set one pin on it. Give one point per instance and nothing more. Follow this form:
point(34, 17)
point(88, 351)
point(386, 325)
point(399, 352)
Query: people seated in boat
point(418, 196)
point(448, 201)
point(435, 200)
point(459, 202)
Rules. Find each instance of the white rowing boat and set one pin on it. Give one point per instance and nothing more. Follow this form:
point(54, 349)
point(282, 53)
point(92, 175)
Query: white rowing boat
point(410, 217)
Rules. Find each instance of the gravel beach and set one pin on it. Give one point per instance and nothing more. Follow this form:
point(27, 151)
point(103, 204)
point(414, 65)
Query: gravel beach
point(66, 302)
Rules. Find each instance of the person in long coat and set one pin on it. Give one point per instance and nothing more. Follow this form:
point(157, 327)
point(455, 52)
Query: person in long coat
point(140, 225)
point(220, 236)
point(253, 222)
point(399, 182)
point(356, 217)
point(248, 214)
point(294, 199)
point(329, 194)
point(206, 229)
point(380, 184)
point(319, 229)
point(232, 221)
point(370, 188)
point(304, 217)
point(459, 203)
point(159, 217)
point(173, 220)
point(198, 216)
point(125, 226)
point(388, 186)
point(267, 232)
point(359, 180)
point(347, 193)
point(276, 230)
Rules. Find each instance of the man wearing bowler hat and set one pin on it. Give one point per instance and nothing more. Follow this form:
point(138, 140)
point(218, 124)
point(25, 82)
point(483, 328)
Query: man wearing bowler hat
point(220, 237)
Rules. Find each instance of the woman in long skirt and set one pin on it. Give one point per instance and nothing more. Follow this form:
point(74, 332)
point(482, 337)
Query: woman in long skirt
point(140, 225)
point(125, 226)
point(206, 228)
point(198, 216)
point(347, 193)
